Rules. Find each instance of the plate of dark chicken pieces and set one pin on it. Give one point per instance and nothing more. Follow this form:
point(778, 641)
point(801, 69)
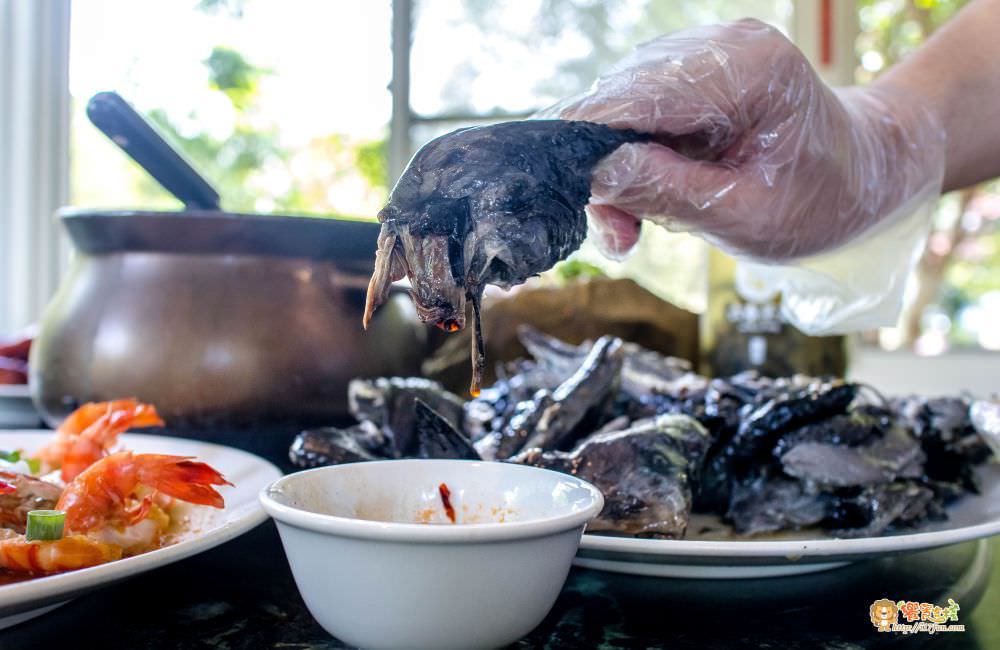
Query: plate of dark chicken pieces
point(740, 476)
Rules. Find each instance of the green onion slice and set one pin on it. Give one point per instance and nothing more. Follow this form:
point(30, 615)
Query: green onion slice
point(10, 456)
point(45, 525)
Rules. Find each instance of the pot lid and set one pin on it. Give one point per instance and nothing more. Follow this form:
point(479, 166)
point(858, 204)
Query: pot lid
point(220, 233)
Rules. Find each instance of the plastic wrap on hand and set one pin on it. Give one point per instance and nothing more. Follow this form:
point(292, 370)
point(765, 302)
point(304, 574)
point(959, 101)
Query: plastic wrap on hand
point(824, 194)
point(859, 286)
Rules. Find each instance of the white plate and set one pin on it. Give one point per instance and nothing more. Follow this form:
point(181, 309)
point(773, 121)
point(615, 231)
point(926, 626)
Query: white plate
point(16, 408)
point(972, 517)
point(248, 473)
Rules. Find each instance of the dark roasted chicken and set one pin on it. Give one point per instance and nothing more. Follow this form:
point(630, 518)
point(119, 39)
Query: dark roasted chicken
point(485, 205)
point(661, 442)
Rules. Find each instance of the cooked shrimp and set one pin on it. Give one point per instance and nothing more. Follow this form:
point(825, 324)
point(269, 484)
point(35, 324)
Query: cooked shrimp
point(107, 494)
point(111, 509)
point(20, 493)
point(66, 554)
point(91, 430)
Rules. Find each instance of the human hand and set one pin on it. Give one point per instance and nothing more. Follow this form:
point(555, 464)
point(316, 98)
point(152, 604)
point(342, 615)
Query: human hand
point(754, 152)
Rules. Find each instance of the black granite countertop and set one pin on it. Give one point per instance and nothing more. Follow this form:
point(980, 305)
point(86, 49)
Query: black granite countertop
point(241, 595)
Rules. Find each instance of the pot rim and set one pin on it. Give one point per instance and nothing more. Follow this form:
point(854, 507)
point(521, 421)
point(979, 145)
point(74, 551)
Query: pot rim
point(74, 212)
point(209, 232)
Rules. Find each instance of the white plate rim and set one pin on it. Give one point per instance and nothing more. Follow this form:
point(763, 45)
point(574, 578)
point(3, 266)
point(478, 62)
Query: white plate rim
point(62, 585)
point(825, 549)
point(789, 550)
point(15, 391)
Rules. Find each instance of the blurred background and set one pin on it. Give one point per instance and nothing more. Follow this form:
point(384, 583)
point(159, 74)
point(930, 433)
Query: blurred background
point(314, 106)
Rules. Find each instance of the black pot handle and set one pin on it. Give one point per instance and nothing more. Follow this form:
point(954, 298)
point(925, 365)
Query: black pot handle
point(135, 136)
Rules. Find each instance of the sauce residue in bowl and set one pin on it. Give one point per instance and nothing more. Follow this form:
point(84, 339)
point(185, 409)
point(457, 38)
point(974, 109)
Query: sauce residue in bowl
point(446, 500)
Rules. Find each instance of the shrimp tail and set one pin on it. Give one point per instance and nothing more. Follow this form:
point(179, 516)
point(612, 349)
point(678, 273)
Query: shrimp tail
point(116, 421)
point(106, 491)
point(145, 415)
point(86, 415)
point(91, 430)
point(181, 478)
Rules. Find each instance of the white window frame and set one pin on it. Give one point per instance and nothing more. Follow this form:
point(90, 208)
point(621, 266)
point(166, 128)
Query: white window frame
point(34, 154)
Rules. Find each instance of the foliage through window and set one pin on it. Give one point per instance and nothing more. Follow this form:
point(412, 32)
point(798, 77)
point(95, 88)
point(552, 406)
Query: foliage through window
point(284, 110)
point(954, 298)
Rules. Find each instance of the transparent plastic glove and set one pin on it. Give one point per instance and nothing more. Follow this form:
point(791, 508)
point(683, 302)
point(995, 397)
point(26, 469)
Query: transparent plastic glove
point(761, 158)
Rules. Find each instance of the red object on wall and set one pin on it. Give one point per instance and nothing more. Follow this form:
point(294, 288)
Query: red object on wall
point(826, 32)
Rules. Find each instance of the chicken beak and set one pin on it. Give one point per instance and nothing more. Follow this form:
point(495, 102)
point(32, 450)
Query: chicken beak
point(389, 267)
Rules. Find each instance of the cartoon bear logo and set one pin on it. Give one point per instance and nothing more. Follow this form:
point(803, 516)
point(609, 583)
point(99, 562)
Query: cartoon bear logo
point(884, 614)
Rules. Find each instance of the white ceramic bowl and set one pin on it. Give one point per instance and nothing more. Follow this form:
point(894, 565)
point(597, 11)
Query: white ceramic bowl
point(380, 565)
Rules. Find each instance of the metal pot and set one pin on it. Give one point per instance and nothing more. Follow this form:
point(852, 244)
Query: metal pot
point(220, 320)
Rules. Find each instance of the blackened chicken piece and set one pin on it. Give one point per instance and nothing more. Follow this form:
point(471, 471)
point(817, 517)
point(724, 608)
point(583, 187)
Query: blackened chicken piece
point(877, 508)
point(519, 383)
point(762, 428)
point(718, 406)
point(493, 204)
point(647, 372)
point(848, 430)
point(747, 434)
point(496, 405)
point(585, 389)
point(948, 435)
point(509, 440)
point(554, 420)
point(895, 454)
point(644, 372)
point(437, 438)
point(333, 446)
point(390, 403)
point(644, 473)
point(555, 356)
point(767, 505)
point(483, 416)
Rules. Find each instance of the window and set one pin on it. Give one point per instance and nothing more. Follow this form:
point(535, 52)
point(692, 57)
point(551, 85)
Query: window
point(954, 296)
point(282, 109)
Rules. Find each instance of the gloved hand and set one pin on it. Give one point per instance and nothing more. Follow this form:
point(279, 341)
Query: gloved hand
point(758, 155)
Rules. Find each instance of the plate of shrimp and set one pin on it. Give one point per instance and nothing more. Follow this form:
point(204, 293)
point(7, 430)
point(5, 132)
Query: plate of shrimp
point(91, 503)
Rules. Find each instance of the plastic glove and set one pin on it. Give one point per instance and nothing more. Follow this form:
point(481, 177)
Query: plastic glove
point(762, 158)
